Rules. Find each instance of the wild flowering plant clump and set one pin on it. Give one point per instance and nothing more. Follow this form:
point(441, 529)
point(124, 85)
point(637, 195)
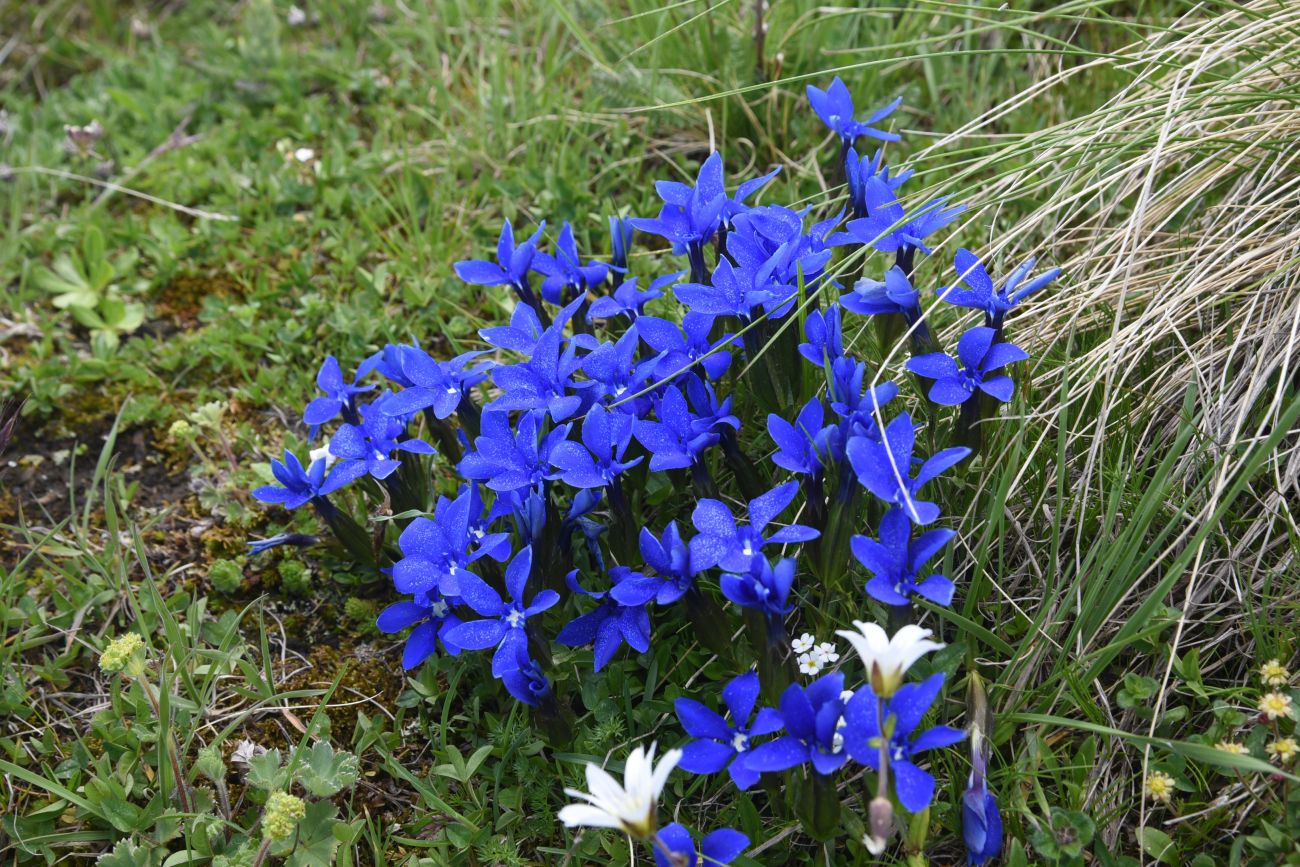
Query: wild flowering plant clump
point(649, 450)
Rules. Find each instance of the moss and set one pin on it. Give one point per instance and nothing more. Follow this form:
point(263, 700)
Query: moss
point(182, 299)
point(295, 577)
point(361, 613)
point(226, 576)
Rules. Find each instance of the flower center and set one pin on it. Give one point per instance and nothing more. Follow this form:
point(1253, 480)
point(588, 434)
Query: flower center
point(516, 617)
point(740, 742)
point(439, 609)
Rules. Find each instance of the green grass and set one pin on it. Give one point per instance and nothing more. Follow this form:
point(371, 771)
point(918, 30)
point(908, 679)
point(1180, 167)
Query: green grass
point(1130, 558)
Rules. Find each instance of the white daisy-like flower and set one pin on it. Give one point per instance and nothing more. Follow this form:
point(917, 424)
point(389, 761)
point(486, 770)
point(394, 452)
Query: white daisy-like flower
point(803, 643)
point(1276, 705)
point(810, 664)
point(631, 807)
point(888, 659)
point(827, 652)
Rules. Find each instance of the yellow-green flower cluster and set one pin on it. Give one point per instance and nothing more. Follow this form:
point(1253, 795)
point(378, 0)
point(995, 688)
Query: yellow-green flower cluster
point(124, 653)
point(282, 814)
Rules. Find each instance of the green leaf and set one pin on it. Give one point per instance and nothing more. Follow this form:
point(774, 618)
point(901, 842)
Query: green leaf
point(316, 840)
point(324, 772)
point(1158, 845)
point(1016, 856)
point(265, 773)
point(127, 854)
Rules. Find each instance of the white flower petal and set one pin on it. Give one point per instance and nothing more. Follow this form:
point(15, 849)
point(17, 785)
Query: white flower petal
point(585, 815)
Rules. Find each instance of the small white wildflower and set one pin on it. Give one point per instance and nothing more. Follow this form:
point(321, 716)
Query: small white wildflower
point(828, 652)
point(809, 664)
point(244, 751)
point(803, 643)
point(296, 17)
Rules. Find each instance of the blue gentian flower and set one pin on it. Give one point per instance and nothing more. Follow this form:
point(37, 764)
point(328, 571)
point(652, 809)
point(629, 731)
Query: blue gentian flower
point(674, 574)
point(609, 626)
point(981, 358)
point(981, 822)
point(718, 847)
point(545, 381)
point(692, 215)
point(507, 460)
point(862, 736)
point(620, 243)
point(721, 744)
point(437, 552)
point(598, 460)
point(896, 560)
point(299, 485)
point(885, 228)
point(432, 618)
point(995, 302)
point(708, 412)
point(512, 265)
point(710, 184)
point(722, 543)
point(734, 291)
point(521, 335)
point(261, 546)
point(565, 272)
point(856, 404)
point(804, 447)
point(763, 587)
point(981, 825)
point(885, 468)
point(857, 169)
point(811, 717)
point(338, 395)
point(505, 623)
point(616, 373)
point(774, 234)
point(526, 507)
point(387, 362)
point(892, 295)
point(825, 337)
point(430, 383)
point(674, 441)
point(526, 681)
point(627, 300)
point(681, 347)
point(834, 106)
point(364, 449)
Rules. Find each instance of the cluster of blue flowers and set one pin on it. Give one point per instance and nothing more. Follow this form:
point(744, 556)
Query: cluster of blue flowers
point(605, 385)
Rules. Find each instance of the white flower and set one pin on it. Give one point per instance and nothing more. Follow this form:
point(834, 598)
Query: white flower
point(322, 452)
point(632, 807)
point(827, 653)
point(244, 752)
point(304, 155)
point(803, 643)
point(810, 663)
point(875, 845)
point(888, 659)
point(296, 17)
